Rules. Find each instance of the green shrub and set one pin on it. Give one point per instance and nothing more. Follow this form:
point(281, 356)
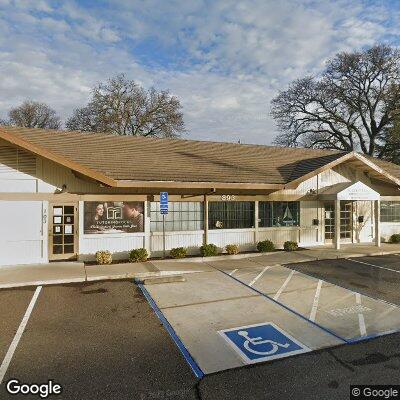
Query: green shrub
point(138, 255)
point(208, 250)
point(103, 257)
point(178, 252)
point(395, 238)
point(290, 246)
point(265, 246)
point(232, 249)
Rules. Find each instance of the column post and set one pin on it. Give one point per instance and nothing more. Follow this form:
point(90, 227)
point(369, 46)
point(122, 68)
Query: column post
point(147, 234)
point(256, 222)
point(377, 226)
point(205, 223)
point(337, 224)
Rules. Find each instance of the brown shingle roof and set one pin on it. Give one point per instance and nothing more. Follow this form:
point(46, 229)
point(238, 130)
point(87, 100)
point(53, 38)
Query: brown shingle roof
point(149, 159)
point(390, 167)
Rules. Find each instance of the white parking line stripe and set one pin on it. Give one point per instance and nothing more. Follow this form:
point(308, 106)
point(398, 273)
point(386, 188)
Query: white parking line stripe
point(232, 272)
point(258, 276)
point(316, 300)
point(361, 321)
point(279, 292)
point(373, 265)
point(7, 359)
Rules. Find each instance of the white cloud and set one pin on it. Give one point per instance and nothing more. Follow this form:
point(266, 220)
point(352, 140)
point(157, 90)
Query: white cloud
point(231, 57)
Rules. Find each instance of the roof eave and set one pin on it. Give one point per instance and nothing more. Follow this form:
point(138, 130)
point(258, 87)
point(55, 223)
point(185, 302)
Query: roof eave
point(104, 179)
point(198, 185)
point(40, 151)
point(378, 169)
point(352, 155)
point(296, 182)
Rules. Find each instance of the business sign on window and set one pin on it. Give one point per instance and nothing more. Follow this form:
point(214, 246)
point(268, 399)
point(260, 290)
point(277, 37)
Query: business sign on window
point(113, 217)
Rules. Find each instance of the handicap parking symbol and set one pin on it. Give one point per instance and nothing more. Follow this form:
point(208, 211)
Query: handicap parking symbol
point(262, 342)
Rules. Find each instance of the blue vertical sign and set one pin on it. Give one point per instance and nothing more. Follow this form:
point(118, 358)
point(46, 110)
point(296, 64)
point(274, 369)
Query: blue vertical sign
point(164, 203)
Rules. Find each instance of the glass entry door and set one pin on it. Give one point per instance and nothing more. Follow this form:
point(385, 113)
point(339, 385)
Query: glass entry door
point(329, 222)
point(346, 221)
point(63, 230)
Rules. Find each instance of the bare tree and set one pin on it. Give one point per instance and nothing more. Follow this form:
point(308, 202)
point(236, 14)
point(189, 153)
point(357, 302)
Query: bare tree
point(390, 150)
point(120, 106)
point(33, 114)
point(350, 107)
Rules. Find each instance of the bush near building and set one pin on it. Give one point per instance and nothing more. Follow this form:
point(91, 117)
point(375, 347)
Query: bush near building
point(290, 246)
point(208, 250)
point(265, 246)
point(138, 255)
point(178, 252)
point(395, 238)
point(103, 257)
point(232, 249)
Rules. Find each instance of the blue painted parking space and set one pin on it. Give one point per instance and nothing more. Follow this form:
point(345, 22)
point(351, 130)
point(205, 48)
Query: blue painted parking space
point(219, 323)
point(262, 342)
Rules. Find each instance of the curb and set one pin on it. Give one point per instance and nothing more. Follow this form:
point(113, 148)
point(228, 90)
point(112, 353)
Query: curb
point(188, 259)
point(41, 283)
point(160, 279)
point(213, 258)
point(227, 257)
point(356, 255)
point(139, 275)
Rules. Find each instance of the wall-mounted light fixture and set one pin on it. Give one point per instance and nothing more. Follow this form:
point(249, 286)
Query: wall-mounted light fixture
point(63, 189)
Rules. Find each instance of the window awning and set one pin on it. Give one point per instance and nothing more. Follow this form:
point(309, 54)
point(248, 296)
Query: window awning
point(349, 191)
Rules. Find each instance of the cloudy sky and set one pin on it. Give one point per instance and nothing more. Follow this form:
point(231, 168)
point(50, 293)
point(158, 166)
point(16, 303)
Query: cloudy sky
point(224, 59)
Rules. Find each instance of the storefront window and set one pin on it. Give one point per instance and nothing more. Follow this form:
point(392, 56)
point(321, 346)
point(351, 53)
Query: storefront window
point(182, 216)
point(390, 211)
point(279, 213)
point(230, 215)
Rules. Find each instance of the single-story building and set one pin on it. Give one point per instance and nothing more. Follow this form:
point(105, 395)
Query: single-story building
point(66, 195)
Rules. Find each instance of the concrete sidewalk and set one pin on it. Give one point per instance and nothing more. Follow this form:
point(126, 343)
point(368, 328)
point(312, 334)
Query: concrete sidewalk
point(41, 274)
point(351, 250)
point(68, 272)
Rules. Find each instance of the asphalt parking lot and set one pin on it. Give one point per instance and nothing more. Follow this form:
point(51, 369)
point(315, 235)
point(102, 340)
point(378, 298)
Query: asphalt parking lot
point(103, 340)
point(96, 340)
point(375, 276)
